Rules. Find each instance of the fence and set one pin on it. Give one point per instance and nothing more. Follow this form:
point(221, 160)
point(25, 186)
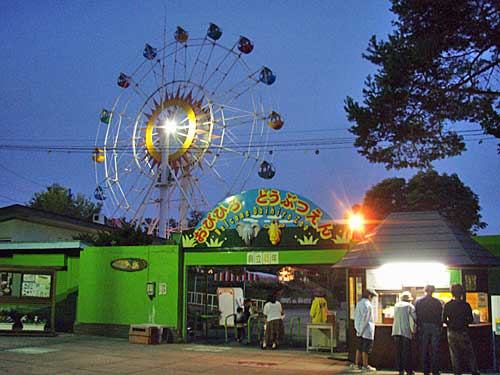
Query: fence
point(198, 299)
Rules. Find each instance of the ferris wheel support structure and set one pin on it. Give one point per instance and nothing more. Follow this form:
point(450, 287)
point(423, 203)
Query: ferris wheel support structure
point(164, 177)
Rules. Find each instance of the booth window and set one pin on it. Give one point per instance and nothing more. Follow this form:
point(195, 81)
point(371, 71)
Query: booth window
point(27, 300)
point(25, 285)
point(6, 281)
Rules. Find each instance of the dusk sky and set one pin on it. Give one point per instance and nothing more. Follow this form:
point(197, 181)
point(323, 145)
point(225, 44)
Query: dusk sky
point(60, 61)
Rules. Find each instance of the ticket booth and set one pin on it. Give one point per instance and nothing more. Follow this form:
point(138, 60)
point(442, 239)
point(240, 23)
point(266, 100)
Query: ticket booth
point(406, 252)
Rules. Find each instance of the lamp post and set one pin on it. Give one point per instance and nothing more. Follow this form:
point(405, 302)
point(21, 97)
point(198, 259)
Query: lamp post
point(355, 223)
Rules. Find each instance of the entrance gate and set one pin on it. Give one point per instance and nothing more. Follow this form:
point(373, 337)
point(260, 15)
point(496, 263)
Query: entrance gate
point(282, 237)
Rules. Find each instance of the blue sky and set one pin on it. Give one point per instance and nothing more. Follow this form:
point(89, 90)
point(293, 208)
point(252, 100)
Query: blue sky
point(60, 61)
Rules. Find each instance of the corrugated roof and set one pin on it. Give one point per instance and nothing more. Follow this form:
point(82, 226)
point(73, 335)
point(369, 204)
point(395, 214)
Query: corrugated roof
point(30, 214)
point(50, 245)
point(420, 237)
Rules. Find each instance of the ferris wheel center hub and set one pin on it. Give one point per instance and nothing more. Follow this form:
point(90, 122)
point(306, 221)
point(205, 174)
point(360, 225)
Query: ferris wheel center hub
point(187, 115)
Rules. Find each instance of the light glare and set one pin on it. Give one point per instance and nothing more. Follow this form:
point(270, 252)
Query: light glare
point(355, 222)
point(399, 275)
point(170, 126)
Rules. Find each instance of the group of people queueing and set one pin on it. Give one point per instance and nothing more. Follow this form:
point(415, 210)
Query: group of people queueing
point(426, 319)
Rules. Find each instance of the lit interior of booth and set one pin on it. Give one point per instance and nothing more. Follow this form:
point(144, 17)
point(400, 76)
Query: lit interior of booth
point(391, 279)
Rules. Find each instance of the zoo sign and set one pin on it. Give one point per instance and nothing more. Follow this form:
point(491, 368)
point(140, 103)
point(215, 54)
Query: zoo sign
point(263, 213)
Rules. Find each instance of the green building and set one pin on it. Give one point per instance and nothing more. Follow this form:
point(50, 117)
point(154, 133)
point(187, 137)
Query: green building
point(69, 285)
point(39, 269)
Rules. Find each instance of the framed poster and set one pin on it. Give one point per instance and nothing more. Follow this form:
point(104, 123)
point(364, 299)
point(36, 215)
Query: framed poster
point(36, 285)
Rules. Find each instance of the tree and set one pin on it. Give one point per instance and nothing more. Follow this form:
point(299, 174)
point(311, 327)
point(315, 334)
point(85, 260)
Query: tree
point(194, 218)
point(60, 200)
point(441, 65)
point(423, 192)
point(126, 234)
point(387, 196)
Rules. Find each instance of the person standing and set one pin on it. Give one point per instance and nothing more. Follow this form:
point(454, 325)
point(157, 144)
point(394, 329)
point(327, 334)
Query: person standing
point(319, 308)
point(430, 323)
point(240, 324)
point(273, 312)
point(364, 324)
point(246, 310)
point(402, 332)
point(457, 315)
point(319, 314)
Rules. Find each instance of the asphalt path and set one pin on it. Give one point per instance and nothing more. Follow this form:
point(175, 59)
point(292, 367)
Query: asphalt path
point(77, 354)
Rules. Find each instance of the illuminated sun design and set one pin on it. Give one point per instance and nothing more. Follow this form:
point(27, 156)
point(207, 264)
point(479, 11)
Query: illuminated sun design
point(181, 123)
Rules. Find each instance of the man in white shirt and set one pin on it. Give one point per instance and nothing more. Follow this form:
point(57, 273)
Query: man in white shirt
point(273, 311)
point(364, 324)
point(403, 328)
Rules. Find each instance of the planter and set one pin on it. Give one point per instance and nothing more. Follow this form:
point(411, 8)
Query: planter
point(6, 326)
point(33, 326)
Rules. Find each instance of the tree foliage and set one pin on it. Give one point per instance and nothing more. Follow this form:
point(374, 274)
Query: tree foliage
point(441, 65)
point(60, 200)
point(426, 191)
point(194, 218)
point(126, 234)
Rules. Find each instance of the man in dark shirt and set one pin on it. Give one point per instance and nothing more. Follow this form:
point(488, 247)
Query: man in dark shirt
point(429, 322)
point(457, 315)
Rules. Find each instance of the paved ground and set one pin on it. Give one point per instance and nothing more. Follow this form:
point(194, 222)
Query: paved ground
point(72, 354)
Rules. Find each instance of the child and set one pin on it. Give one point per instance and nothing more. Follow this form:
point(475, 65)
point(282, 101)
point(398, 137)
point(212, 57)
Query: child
point(240, 324)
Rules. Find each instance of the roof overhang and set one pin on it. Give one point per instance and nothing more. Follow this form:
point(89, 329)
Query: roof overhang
point(50, 245)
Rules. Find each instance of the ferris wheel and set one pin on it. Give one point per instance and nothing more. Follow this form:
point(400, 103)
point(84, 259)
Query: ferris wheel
point(187, 125)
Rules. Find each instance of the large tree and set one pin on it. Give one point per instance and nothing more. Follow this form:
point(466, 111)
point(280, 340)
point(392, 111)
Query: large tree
point(61, 200)
point(426, 191)
point(440, 66)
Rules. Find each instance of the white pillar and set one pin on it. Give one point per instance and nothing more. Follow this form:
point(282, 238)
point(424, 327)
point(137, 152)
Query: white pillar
point(163, 183)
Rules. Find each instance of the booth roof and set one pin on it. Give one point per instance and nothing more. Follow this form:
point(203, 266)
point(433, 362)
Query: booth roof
point(418, 237)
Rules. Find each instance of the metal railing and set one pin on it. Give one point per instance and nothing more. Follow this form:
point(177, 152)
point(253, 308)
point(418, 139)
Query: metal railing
point(292, 319)
point(258, 318)
point(226, 327)
point(198, 298)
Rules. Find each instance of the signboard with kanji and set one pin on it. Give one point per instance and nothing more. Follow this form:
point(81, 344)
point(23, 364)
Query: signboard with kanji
point(267, 218)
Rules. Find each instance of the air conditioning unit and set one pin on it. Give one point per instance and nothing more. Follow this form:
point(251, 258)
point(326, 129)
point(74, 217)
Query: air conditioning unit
point(99, 219)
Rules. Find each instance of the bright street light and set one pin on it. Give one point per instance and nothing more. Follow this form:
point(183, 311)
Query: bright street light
point(355, 222)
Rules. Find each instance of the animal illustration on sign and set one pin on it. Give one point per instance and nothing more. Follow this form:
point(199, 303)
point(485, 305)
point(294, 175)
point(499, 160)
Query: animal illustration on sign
point(274, 231)
point(248, 231)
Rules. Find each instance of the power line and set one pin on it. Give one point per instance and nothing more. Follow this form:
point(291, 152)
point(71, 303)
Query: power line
point(287, 145)
point(10, 199)
point(20, 176)
point(288, 131)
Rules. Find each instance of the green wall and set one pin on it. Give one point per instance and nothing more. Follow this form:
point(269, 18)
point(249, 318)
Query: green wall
point(34, 260)
point(492, 243)
point(110, 296)
point(223, 258)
